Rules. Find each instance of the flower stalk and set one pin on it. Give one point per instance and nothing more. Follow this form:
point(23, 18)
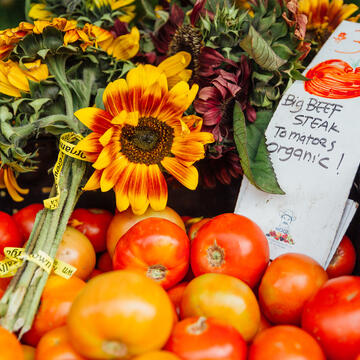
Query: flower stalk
point(21, 300)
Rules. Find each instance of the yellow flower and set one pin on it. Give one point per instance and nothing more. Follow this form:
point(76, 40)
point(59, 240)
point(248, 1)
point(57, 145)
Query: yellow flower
point(142, 131)
point(39, 12)
point(174, 68)
point(123, 47)
point(326, 15)
point(13, 79)
point(123, 5)
point(8, 181)
point(10, 37)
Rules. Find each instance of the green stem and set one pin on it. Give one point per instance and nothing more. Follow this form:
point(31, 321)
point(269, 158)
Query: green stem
point(30, 307)
point(56, 65)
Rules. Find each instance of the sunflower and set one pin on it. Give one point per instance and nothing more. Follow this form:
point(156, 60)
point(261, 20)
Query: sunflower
point(141, 132)
point(125, 6)
point(8, 182)
point(40, 12)
point(14, 79)
point(325, 15)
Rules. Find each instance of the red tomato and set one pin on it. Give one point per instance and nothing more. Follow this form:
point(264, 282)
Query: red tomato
point(332, 316)
point(25, 219)
point(199, 338)
point(289, 281)
point(343, 261)
point(124, 220)
point(9, 232)
point(176, 293)
point(156, 247)
point(285, 342)
point(104, 262)
point(94, 224)
point(94, 273)
point(230, 244)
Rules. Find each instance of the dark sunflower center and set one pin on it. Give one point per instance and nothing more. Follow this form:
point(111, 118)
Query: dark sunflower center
point(148, 142)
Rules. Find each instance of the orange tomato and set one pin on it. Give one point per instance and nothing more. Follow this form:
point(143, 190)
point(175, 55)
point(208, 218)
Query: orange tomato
point(120, 314)
point(55, 345)
point(10, 347)
point(76, 250)
point(225, 298)
point(29, 352)
point(104, 262)
point(264, 324)
point(56, 299)
point(176, 293)
point(157, 355)
point(344, 259)
point(285, 342)
point(200, 338)
point(230, 244)
point(288, 283)
point(156, 247)
point(123, 221)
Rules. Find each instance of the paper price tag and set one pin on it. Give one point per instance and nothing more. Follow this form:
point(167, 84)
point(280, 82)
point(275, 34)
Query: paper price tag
point(313, 144)
point(63, 269)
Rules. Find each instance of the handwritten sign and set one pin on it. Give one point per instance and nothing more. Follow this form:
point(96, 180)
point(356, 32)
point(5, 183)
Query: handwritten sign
point(313, 144)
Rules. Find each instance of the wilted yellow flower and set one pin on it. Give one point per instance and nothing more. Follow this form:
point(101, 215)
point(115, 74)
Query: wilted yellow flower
point(123, 5)
point(326, 15)
point(10, 37)
point(39, 12)
point(13, 79)
point(123, 47)
point(8, 182)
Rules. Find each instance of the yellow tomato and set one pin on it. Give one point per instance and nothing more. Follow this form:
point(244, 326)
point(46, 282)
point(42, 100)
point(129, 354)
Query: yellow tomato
point(223, 297)
point(120, 314)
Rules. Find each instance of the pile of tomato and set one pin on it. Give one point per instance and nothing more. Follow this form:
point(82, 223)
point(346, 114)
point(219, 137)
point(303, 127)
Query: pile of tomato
point(164, 287)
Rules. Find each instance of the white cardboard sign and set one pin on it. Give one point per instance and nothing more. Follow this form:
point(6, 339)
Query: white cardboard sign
point(314, 144)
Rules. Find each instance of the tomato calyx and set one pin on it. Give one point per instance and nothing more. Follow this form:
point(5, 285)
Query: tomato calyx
point(156, 272)
point(115, 348)
point(215, 255)
point(198, 327)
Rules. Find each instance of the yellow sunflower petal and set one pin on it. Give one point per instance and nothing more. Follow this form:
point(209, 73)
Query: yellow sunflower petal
point(188, 176)
point(107, 155)
point(188, 150)
point(39, 12)
point(90, 143)
point(138, 189)
point(106, 137)
point(125, 117)
point(122, 187)
point(125, 47)
point(95, 119)
point(157, 192)
point(112, 173)
point(18, 79)
point(175, 64)
point(94, 181)
point(115, 97)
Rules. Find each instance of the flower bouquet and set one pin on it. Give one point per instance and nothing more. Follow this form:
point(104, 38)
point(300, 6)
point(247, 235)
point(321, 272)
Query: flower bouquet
point(138, 94)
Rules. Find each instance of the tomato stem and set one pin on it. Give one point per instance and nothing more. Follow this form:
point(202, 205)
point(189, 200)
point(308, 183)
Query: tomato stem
point(215, 255)
point(198, 327)
point(156, 272)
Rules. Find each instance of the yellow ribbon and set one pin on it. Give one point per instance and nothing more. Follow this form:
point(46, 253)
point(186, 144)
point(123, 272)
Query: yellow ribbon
point(66, 147)
point(16, 256)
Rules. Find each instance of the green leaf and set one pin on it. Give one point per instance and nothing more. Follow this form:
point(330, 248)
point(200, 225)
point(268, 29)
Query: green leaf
point(297, 75)
point(38, 104)
point(260, 51)
point(149, 9)
point(98, 99)
point(251, 145)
